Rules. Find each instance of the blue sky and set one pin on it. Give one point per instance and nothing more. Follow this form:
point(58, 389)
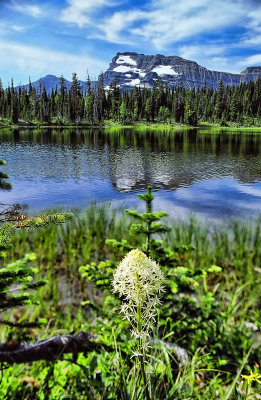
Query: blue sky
point(41, 37)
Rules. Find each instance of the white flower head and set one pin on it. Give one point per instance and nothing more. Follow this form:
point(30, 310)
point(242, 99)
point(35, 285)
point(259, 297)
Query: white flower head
point(139, 280)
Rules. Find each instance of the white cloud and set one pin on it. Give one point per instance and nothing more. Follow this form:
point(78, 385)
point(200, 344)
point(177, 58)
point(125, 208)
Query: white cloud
point(252, 41)
point(118, 22)
point(29, 60)
point(193, 51)
point(255, 18)
point(30, 9)
point(166, 21)
point(252, 60)
point(19, 28)
point(209, 56)
point(78, 11)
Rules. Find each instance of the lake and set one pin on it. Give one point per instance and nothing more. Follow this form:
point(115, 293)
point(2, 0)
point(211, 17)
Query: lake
point(210, 174)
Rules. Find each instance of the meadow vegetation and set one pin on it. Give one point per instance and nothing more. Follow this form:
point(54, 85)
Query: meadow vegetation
point(205, 341)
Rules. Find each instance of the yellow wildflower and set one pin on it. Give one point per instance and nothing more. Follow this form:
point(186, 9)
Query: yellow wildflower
point(252, 377)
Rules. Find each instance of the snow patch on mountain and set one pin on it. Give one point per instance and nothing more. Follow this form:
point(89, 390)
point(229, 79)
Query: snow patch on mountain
point(126, 60)
point(125, 68)
point(164, 70)
point(132, 69)
point(121, 68)
point(134, 82)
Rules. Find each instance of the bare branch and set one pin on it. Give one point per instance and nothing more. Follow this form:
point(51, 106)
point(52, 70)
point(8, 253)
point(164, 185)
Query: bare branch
point(50, 349)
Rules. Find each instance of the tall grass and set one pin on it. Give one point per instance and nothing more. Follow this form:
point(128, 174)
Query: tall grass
point(235, 247)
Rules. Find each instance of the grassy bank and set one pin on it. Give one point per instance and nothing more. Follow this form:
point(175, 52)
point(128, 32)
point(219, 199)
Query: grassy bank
point(210, 315)
point(6, 123)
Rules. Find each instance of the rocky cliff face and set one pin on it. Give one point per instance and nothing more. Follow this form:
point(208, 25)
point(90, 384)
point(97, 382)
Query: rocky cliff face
point(134, 69)
point(142, 70)
point(250, 74)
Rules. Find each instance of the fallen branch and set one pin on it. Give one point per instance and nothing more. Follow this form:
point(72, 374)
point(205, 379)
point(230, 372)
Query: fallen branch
point(54, 348)
point(50, 349)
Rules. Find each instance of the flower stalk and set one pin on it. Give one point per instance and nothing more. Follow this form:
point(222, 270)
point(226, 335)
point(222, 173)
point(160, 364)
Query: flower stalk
point(139, 280)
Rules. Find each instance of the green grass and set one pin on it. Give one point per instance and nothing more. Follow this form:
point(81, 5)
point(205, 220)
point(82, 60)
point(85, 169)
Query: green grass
point(214, 362)
point(140, 125)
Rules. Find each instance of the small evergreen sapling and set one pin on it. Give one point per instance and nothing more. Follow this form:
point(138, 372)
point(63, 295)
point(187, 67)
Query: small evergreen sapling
point(194, 321)
point(148, 224)
point(17, 280)
point(4, 184)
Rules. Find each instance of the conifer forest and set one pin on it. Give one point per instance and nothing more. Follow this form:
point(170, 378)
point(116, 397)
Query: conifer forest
point(92, 104)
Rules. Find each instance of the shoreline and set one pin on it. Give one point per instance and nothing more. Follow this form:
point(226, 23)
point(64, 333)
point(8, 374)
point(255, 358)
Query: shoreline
point(141, 125)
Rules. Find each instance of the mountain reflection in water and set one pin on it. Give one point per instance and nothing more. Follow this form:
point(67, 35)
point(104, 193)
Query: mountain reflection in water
point(214, 174)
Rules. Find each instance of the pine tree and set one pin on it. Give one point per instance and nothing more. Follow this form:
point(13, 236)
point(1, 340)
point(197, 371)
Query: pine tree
point(2, 96)
point(114, 99)
point(190, 112)
point(220, 102)
point(19, 273)
point(123, 113)
point(234, 105)
point(14, 104)
point(178, 305)
point(62, 98)
point(147, 110)
point(4, 184)
point(75, 100)
point(100, 99)
point(258, 115)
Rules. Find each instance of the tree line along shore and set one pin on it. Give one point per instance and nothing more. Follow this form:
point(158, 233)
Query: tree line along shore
point(236, 106)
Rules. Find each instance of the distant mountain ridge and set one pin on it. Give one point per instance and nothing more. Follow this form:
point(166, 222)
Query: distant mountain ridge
point(50, 82)
point(133, 69)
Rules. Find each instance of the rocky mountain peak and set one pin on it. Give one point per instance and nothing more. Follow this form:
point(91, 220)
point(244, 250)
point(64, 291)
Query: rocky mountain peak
point(133, 69)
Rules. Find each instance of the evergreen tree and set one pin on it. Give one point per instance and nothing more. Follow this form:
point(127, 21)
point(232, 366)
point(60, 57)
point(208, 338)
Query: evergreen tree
point(234, 105)
point(190, 112)
point(4, 184)
point(147, 110)
point(19, 274)
point(238, 104)
point(62, 98)
point(2, 95)
point(123, 113)
point(114, 98)
point(259, 114)
point(14, 104)
point(220, 102)
point(100, 99)
point(75, 100)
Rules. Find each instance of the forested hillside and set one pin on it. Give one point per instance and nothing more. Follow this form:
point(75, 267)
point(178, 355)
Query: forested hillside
point(93, 104)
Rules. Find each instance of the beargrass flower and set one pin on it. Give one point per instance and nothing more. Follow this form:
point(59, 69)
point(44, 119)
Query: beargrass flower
point(139, 280)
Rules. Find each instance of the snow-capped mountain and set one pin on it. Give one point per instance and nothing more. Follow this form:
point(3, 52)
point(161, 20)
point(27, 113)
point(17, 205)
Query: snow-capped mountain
point(134, 69)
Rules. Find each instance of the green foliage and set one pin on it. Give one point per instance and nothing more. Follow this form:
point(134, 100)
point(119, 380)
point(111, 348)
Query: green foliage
point(4, 184)
point(17, 278)
point(194, 315)
point(238, 105)
point(219, 305)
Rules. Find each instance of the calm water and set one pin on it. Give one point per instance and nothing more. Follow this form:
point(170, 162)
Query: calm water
point(210, 174)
